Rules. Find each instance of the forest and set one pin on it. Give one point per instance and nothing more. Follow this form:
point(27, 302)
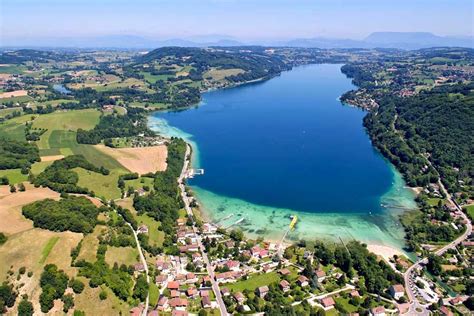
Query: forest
point(76, 214)
point(164, 202)
point(435, 124)
point(111, 126)
point(17, 154)
point(59, 176)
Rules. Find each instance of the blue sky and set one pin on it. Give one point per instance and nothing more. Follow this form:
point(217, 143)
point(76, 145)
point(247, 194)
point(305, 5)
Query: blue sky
point(243, 19)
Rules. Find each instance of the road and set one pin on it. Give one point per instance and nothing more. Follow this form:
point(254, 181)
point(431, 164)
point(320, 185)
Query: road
point(142, 259)
point(408, 276)
point(215, 286)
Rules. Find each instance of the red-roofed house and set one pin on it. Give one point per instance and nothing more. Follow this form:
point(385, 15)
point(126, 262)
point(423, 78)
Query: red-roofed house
point(173, 285)
point(302, 281)
point(377, 311)
point(397, 291)
point(285, 285)
point(328, 302)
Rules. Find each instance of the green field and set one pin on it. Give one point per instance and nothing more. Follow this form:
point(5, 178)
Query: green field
point(14, 175)
point(470, 211)
point(156, 237)
point(5, 112)
point(12, 69)
point(254, 281)
point(137, 183)
point(103, 186)
point(14, 128)
point(47, 249)
point(68, 120)
point(154, 78)
point(125, 255)
point(39, 167)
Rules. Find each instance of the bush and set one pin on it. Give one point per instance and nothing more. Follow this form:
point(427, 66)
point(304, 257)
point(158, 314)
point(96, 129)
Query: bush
point(25, 308)
point(103, 295)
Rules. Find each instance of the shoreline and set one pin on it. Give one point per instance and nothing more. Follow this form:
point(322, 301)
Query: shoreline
point(326, 226)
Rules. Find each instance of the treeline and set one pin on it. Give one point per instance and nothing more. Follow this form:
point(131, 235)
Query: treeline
point(59, 176)
point(375, 275)
point(111, 126)
point(76, 214)
point(17, 154)
point(436, 123)
point(164, 202)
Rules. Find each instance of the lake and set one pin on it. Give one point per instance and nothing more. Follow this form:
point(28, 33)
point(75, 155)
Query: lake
point(288, 146)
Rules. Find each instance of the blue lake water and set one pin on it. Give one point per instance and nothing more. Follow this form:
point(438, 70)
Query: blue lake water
point(287, 146)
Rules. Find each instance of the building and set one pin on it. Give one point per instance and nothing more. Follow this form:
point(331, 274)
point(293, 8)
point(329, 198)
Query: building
point(173, 285)
point(285, 286)
point(206, 302)
point(328, 302)
point(161, 280)
point(262, 291)
point(139, 267)
point(302, 281)
point(239, 297)
point(284, 271)
point(445, 311)
point(142, 229)
point(178, 302)
point(377, 311)
point(321, 275)
point(397, 291)
point(163, 303)
point(136, 311)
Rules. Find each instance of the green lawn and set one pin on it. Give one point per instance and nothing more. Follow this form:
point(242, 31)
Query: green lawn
point(14, 128)
point(125, 255)
point(47, 249)
point(67, 120)
point(254, 281)
point(470, 211)
point(39, 167)
point(5, 112)
point(103, 186)
point(344, 302)
point(433, 201)
point(62, 139)
point(154, 294)
point(137, 183)
point(156, 237)
point(14, 175)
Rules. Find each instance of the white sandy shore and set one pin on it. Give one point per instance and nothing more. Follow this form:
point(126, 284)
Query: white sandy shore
point(386, 252)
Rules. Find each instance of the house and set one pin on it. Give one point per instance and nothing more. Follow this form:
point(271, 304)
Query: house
point(284, 272)
point(181, 221)
point(176, 312)
point(178, 302)
point(191, 278)
point(302, 281)
point(445, 311)
point(262, 291)
point(175, 293)
point(321, 275)
point(153, 313)
point(225, 291)
point(355, 293)
point(163, 266)
point(328, 302)
point(161, 279)
point(239, 297)
point(163, 303)
point(397, 291)
point(284, 285)
point(267, 268)
point(233, 265)
point(136, 311)
point(230, 244)
point(142, 229)
point(457, 300)
point(191, 292)
point(173, 285)
point(206, 302)
point(141, 192)
point(139, 267)
point(204, 293)
point(377, 311)
point(208, 228)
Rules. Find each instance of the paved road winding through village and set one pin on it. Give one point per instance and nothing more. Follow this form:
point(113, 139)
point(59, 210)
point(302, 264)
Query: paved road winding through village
point(215, 285)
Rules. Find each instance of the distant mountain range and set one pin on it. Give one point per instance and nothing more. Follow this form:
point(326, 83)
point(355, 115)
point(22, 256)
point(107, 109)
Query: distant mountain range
point(401, 40)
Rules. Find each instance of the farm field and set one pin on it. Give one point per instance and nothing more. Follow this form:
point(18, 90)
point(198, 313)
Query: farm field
point(221, 74)
point(103, 186)
point(14, 175)
point(254, 281)
point(121, 255)
point(65, 121)
point(141, 159)
point(156, 237)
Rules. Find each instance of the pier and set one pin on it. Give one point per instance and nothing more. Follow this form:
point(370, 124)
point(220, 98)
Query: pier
point(194, 172)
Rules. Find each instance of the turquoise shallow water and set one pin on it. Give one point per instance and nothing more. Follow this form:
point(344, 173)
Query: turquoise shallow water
point(288, 146)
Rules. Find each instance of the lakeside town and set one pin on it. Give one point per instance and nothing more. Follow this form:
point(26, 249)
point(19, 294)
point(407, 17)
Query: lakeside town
point(142, 247)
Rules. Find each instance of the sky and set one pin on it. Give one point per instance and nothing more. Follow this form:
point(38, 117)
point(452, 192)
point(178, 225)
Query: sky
point(242, 19)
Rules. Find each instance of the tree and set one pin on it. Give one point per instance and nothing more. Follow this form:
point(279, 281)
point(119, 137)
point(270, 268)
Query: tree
point(77, 286)
point(21, 187)
point(68, 301)
point(12, 188)
point(140, 290)
point(434, 264)
point(25, 308)
point(102, 295)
